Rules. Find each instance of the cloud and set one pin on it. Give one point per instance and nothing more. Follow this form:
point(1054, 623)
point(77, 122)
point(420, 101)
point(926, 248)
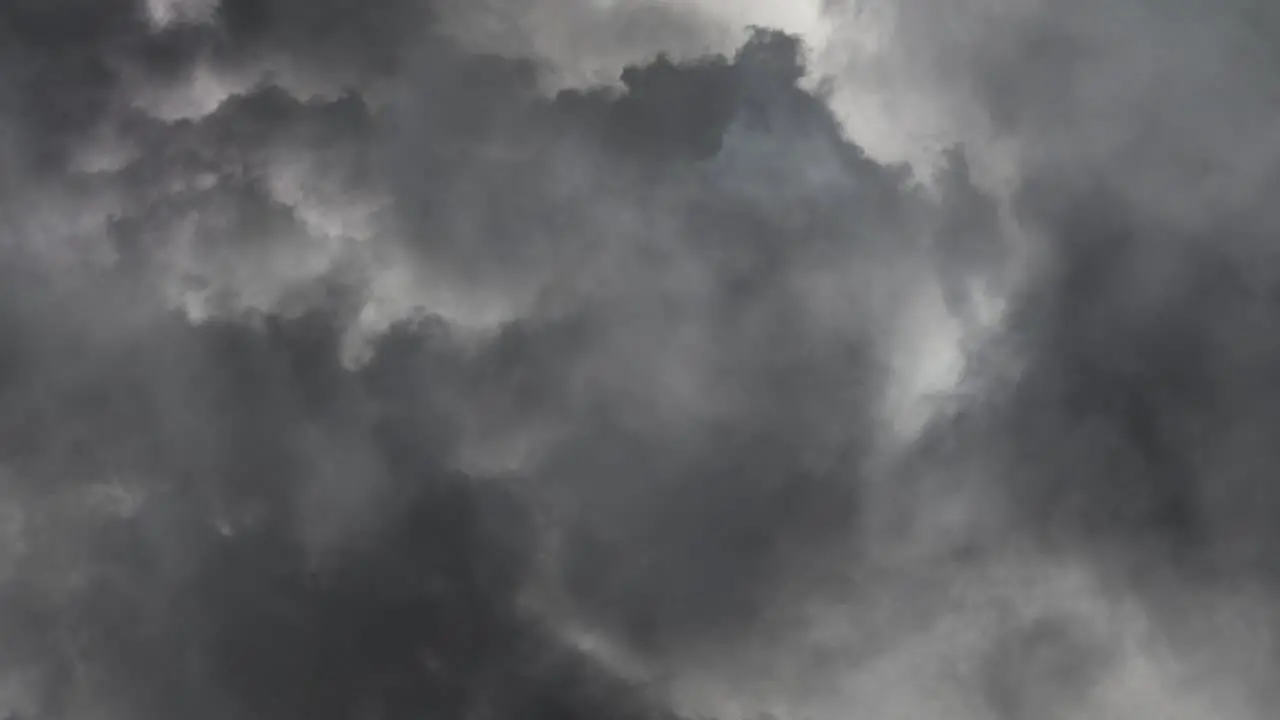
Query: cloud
point(322, 327)
point(575, 360)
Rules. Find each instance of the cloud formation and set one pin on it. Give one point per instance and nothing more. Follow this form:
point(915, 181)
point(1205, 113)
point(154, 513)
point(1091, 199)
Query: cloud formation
point(383, 360)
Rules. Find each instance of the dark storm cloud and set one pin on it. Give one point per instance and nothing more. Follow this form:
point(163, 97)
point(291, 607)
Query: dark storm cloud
point(349, 374)
point(340, 360)
point(1142, 162)
point(1131, 430)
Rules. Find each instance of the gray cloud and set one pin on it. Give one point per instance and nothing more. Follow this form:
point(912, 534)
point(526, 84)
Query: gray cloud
point(381, 361)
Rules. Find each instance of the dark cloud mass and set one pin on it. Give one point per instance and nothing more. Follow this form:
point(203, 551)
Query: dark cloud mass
point(350, 373)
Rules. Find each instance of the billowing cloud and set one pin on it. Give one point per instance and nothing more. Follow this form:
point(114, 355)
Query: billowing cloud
point(383, 360)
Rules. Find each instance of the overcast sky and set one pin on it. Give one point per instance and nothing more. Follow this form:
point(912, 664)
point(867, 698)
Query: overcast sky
point(575, 359)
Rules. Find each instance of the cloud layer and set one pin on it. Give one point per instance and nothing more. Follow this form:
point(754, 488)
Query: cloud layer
point(403, 359)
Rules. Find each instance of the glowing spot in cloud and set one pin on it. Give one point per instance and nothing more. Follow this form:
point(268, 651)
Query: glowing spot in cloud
point(164, 13)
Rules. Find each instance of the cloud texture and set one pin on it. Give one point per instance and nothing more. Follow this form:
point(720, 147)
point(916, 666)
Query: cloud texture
point(417, 359)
